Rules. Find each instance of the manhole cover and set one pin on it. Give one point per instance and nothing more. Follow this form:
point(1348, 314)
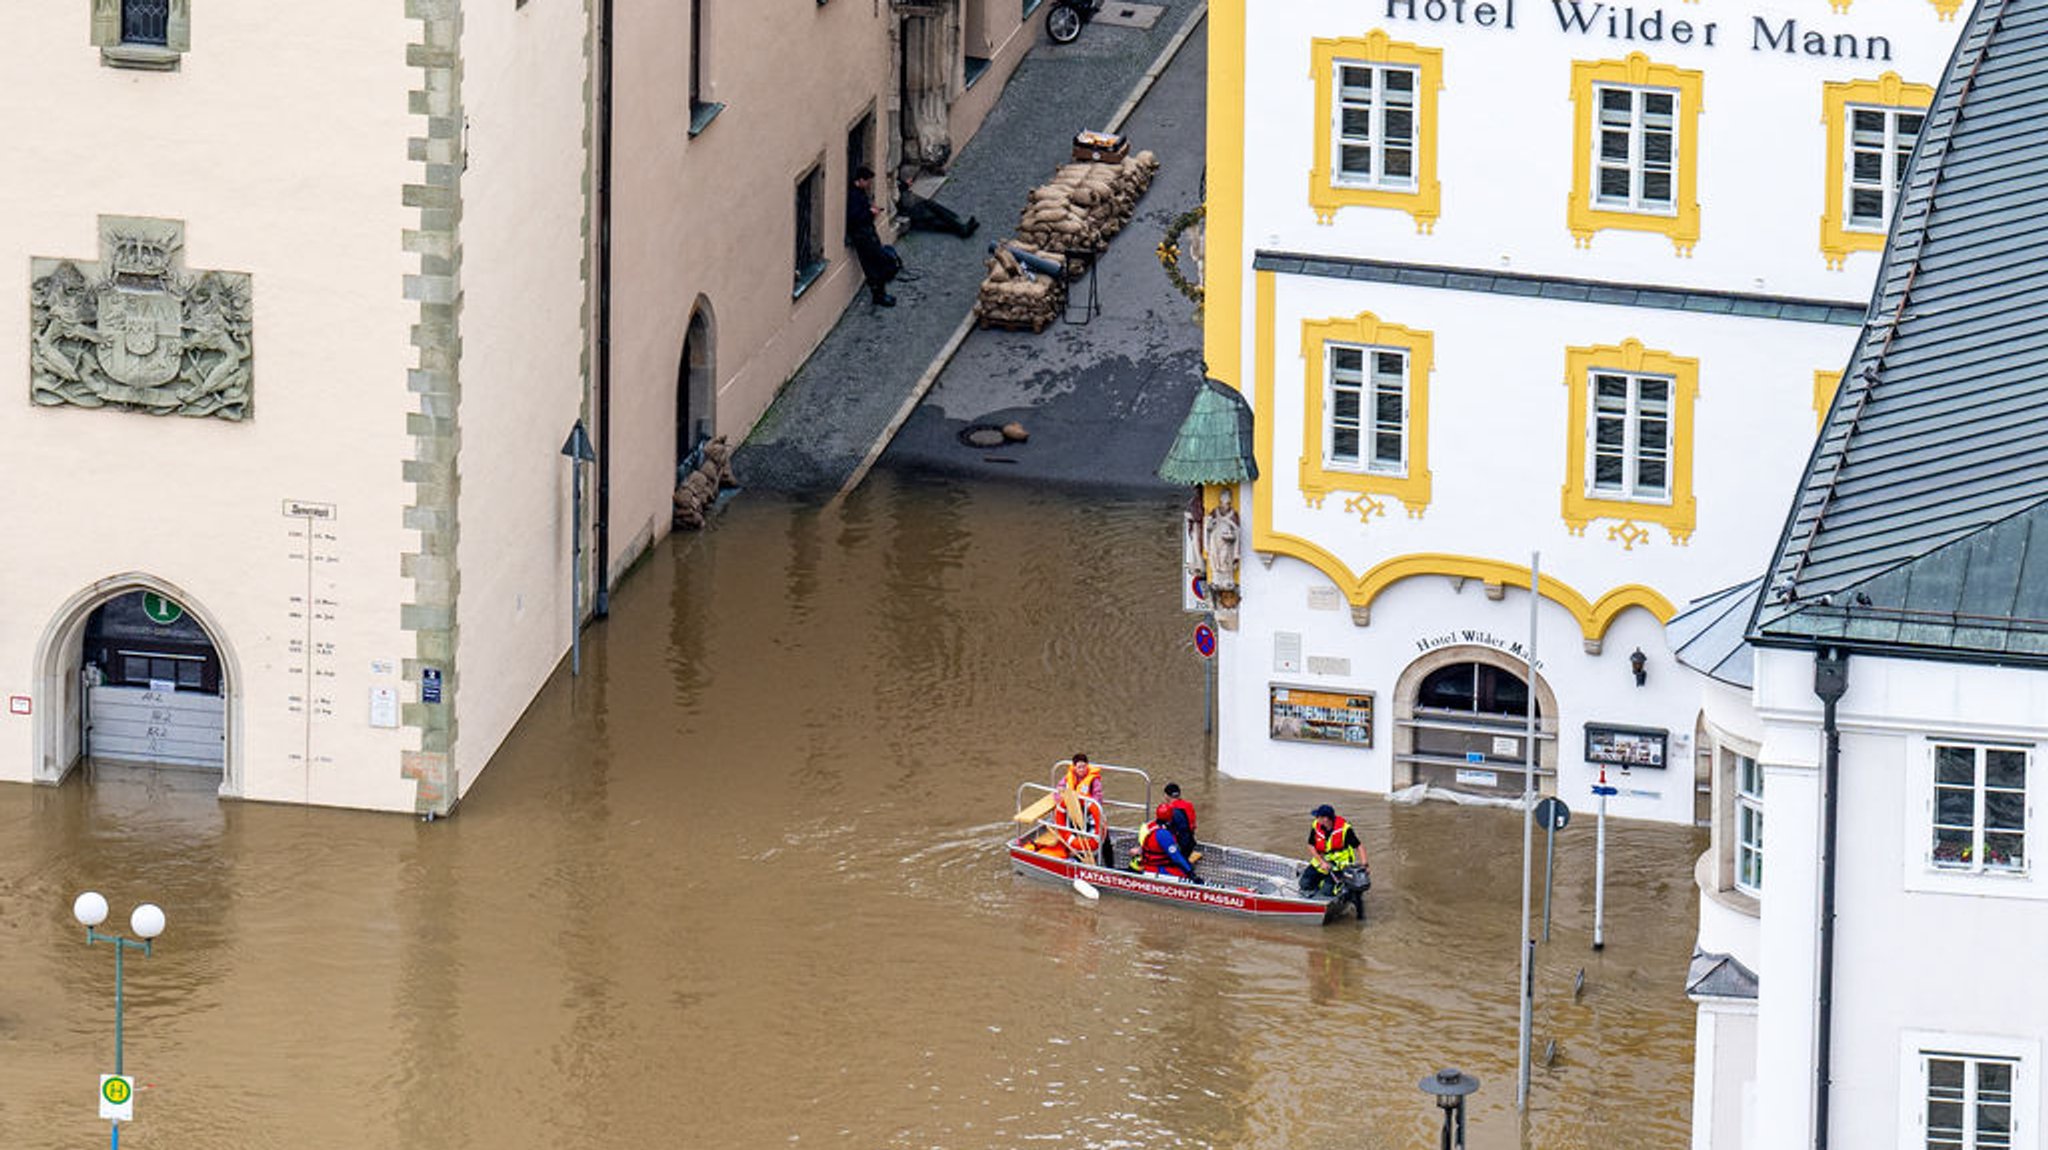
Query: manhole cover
point(982, 435)
point(1129, 15)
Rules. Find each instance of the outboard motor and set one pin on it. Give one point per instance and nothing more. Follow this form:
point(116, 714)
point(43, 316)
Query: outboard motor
point(1352, 883)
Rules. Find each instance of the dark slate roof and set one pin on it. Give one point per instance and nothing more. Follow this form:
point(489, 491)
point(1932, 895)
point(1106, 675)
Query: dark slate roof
point(1719, 976)
point(1919, 525)
point(1561, 288)
point(1708, 635)
point(1214, 444)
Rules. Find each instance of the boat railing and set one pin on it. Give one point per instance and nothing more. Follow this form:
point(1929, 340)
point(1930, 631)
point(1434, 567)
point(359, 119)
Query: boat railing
point(1033, 795)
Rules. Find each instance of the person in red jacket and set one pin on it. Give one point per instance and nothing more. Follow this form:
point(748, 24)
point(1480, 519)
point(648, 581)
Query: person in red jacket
point(1181, 815)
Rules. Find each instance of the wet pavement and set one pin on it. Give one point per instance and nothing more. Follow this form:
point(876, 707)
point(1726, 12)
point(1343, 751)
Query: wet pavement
point(1101, 400)
point(839, 404)
point(741, 885)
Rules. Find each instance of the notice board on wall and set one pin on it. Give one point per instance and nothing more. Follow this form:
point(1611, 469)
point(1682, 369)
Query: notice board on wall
point(1309, 715)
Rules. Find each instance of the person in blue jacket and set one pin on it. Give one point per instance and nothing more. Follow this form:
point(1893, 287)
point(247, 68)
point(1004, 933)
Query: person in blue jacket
point(1159, 852)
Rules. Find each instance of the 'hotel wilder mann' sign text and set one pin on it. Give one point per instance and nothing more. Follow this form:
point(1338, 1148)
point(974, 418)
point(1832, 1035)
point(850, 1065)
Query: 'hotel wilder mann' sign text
point(1625, 22)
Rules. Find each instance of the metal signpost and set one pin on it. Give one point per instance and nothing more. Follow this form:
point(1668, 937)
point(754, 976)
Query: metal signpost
point(1554, 816)
point(1602, 790)
point(577, 448)
point(1525, 943)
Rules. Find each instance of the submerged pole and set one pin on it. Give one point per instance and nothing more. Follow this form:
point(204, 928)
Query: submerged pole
point(1525, 943)
point(1600, 864)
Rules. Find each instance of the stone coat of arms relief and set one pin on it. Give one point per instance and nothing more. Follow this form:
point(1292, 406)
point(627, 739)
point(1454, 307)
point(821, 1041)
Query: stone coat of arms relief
point(135, 332)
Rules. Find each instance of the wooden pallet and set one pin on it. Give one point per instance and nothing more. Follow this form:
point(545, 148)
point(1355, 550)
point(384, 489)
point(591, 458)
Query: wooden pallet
point(1033, 326)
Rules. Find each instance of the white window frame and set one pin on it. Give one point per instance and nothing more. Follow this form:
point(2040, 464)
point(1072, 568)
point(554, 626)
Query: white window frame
point(1376, 104)
point(1917, 1047)
point(1638, 127)
point(1974, 862)
point(1892, 164)
point(1633, 447)
point(1368, 387)
point(1749, 824)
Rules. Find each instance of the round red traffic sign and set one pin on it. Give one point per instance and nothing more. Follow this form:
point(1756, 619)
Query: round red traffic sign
point(1205, 639)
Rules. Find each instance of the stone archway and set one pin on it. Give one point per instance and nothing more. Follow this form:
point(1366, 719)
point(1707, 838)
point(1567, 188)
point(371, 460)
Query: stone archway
point(1425, 742)
point(61, 688)
point(696, 383)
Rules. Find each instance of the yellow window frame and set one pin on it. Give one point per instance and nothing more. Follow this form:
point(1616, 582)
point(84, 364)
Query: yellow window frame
point(1680, 514)
point(1582, 216)
point(1888, 93)
point(1825, 385)
point(1318, 481)
point(1425, 201)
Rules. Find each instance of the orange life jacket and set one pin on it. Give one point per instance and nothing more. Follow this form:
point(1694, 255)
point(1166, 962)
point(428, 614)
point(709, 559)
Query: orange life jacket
point(1330, 844)
point(1152, 855)
point(1082, 783)
point(1067, 834)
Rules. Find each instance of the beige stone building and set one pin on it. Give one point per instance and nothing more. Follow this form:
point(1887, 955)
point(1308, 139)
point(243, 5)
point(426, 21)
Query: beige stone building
point(305, 309)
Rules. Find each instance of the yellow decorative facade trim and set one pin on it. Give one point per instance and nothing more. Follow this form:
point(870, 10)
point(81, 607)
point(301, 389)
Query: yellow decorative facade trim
point(1223, 265)
point(1423, 201)
point(1678, 515)
point(1837, 238)
point(1584, 218)
point(1365, 329)
point(1825, 385)
point(1947, 9)
point(1594, 616)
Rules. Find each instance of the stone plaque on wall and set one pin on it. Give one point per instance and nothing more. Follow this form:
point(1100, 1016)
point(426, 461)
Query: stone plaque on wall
point(135, 331)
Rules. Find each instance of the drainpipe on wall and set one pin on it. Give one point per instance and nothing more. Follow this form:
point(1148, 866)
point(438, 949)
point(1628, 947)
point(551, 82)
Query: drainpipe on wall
point(1830, 682)
point(603, 605)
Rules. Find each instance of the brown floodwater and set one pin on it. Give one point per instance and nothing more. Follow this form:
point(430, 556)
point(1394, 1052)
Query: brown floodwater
point(741, 885)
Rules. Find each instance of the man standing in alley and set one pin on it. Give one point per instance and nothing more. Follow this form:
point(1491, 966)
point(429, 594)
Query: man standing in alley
point(877, 262)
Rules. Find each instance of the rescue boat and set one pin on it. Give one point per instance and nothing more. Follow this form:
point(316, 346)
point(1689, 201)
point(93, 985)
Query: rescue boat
point(1052, 843)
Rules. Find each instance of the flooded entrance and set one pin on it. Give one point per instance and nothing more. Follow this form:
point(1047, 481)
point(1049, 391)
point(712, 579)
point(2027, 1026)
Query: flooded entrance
point(741, 885)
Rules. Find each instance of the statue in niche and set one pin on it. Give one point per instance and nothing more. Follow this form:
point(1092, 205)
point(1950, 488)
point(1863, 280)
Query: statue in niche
point(1219, 541)
point(134, 332)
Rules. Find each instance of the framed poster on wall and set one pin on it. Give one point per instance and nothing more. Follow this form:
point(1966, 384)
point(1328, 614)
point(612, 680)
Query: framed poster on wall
point(1626, 747)
point(1308, 715)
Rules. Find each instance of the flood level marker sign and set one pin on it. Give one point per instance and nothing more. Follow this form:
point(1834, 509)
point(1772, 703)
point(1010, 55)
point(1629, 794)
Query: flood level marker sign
point(117, 1098)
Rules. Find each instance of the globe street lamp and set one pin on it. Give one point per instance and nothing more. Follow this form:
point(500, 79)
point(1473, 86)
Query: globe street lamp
point(147, 921)
point(1449, 1087)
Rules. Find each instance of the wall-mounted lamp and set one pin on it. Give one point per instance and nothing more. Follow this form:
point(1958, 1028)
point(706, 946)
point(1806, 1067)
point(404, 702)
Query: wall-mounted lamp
point(1638, 664)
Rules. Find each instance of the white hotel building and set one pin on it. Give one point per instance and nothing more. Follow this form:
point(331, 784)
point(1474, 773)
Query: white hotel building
point(1508, 276)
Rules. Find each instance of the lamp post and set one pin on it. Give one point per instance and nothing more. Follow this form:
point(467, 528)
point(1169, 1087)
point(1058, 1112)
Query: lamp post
point(147, 921)
point(1449, 1087)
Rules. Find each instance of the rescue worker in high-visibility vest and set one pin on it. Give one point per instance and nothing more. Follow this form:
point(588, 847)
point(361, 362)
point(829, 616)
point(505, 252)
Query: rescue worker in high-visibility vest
point(1159, 852)
point(1332, 845)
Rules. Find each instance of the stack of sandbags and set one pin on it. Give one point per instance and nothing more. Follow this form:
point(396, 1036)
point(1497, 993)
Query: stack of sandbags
point(1086, 204)
point(700, 487)
point(1016, 295)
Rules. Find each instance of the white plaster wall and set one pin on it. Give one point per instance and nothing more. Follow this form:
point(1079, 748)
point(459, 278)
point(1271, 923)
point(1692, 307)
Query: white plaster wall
point(1499, 431)
point(1597, 688)
point(282, 145)
point(1917, 950)
point(1724, 1069)
point(522, 376)
point(1506, 140)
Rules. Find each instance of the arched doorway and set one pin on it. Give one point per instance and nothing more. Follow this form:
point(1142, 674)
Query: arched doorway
point(1461, 723)
point(696, 386)
point(131, 671)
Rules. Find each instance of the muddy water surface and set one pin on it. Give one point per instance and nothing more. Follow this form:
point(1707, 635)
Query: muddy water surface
point(739, 886)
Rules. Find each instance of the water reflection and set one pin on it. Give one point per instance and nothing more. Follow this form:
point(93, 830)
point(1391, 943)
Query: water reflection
point(738, 886)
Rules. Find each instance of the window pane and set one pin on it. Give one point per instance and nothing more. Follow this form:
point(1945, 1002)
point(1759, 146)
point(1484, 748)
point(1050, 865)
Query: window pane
point(1345, 405)
point(1951, 846)
point(1387, 406)
point(1864, 121)
point(1397, 164)
point(1347, 364)
point(1389, 363)
point(1607, 436)
point(1650, 476)
point(1614, 145)
point(2005, 850)
point(1865, 204)
point(1356, 123)
point(1398, 80)
point(1611, 390)
point(2005, 810)
point(1614, 183)
point(1386, 448)
point(1355, 161)
point(1354, 83)
point(1867, 167)
point(2003, 768)
point(1616, 100)
point(1657, 104)
point(1607, 472)
point(1994, 1080)
point(1955, 765)
point(1657, 187)
point(189, 673)
point(1400, 125)
point(1344, 444)
point(1657, 148)
point(1909, 124)
point(1955, 806)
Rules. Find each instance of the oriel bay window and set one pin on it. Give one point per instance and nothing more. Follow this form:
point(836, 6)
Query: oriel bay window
point(1635, 161)
point(1629, 441)
point(1980, 808)
point(1375, 128)
point(1872, 126)
point(1365, 414)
